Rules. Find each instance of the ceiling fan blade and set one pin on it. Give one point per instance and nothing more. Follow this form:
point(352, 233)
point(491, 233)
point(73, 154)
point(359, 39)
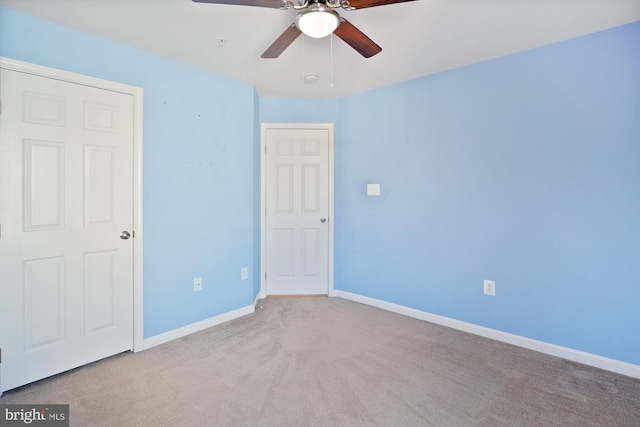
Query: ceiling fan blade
point(356, 39)
point(361, 4)
point(275, 4)
point(282, 42)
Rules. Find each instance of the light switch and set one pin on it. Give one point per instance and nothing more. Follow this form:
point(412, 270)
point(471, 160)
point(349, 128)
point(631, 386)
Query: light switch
point(373, 189)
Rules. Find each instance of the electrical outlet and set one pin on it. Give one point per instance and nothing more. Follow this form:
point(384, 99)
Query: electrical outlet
point(197, 284)
point(244, 273)
point(490, 288)
point(373, 189)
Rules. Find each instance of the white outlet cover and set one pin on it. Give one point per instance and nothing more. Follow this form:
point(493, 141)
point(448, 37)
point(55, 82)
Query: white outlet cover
point(373, 189)
point(244, 273)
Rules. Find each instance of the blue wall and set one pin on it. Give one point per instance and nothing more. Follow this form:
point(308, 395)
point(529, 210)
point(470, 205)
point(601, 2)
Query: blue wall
point(199, 169)
point(524, 170)
point(300, 110)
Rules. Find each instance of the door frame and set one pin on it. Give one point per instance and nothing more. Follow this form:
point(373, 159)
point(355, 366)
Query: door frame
point(263, 194)
point(137, 95)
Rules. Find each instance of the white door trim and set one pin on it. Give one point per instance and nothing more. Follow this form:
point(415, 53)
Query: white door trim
point(263, 170)
point(137, 95)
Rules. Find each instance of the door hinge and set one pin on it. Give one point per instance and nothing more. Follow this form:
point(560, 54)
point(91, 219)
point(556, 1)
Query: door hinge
point(265, 275)
point(265, 149)
point(133, 234)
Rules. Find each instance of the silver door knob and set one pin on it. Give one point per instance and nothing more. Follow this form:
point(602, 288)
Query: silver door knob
point(323, 220)
point(125, 235)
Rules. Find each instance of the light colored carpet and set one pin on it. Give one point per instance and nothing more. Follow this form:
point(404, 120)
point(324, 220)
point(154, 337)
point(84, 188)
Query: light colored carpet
point(320, 361)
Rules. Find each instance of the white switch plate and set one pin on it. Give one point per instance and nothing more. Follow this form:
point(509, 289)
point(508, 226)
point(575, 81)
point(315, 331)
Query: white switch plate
point(490, 288)
point(197, 284)
point(244, 273)
point(373, 189)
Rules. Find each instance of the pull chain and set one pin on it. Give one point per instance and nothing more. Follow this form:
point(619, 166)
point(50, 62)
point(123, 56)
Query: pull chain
point(304, 59)
point(331, 62)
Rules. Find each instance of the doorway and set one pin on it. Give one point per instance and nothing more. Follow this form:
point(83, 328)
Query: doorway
point(297, 209)
point(70, 205)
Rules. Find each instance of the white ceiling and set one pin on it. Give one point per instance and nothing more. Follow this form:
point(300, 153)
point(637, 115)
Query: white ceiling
point(418, 38)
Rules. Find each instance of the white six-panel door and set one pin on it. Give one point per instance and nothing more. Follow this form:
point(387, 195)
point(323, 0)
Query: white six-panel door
point(66, 276)
point(297, 211)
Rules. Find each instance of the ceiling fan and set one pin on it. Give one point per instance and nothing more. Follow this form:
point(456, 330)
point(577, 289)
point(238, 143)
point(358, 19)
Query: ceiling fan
point(317, 18)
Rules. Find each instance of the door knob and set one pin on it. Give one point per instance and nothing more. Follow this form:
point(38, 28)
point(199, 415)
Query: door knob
point(323, 220)
point(125, 235)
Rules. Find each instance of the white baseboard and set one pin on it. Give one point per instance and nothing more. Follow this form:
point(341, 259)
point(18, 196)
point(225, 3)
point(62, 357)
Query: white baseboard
point(196, 327)
point(585, 358)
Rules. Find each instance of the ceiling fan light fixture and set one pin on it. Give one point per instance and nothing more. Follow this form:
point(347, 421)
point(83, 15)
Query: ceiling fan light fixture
point(317, 21)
